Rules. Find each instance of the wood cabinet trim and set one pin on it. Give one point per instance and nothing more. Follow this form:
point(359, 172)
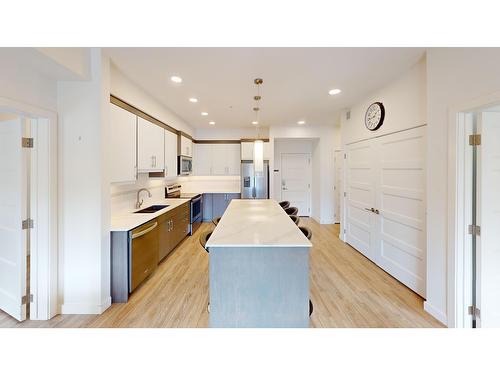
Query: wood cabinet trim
point(129, 107)
point(136, 111)
point(217, 141)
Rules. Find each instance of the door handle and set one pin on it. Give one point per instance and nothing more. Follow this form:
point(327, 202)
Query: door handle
point(376, 211)
point(370, 209)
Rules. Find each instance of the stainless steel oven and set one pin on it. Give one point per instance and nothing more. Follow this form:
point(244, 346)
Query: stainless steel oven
point(185, 165)
point(196, 212)
point(196, 205)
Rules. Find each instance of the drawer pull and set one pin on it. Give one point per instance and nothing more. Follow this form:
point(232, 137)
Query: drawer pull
point(145, 231)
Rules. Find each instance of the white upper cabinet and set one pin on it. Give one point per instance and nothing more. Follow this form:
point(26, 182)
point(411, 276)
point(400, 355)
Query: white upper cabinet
point(247, 150)
point(217, 159)
point(226, 159)
point(186, 146)
point(170, 154)
point(150, 146)
point(122, 147)
point(202, 159)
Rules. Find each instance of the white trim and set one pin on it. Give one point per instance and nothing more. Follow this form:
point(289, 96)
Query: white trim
point(436, 313)
point(82, 308)
point(45, 248)
point(456, 196)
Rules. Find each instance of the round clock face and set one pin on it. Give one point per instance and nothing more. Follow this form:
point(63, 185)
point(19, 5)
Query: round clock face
point(374, 116)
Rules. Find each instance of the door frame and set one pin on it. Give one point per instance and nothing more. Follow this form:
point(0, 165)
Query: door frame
point(309, 176)
point(458, 196)
point(44, 188)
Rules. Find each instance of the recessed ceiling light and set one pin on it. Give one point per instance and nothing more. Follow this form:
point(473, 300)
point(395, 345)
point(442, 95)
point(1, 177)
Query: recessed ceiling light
point(301, 122)
point(176, 79)
point(255, 123)
point(212, 122)
point(334, 91)
point(204, 113)
point(193, 100)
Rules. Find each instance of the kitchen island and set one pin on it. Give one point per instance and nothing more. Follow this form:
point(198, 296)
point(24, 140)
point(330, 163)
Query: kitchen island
point(259, 268)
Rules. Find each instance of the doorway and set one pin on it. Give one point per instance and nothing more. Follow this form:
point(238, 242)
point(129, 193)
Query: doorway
point(481, 218)
point(296, 181)
point(28, 211)
point(338, 160)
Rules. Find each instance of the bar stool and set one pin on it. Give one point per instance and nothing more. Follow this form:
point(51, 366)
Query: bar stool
point(284, 204)
point(307, 232)
point(291, 210)
point(204, 238)
point(295, 219)
point(216, 220)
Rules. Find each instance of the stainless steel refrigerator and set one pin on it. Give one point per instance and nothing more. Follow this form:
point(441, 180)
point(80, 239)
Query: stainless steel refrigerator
point(254, 187)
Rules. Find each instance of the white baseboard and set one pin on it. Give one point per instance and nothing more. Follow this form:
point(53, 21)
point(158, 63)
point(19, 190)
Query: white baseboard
point(436, 313)
point(83, 309)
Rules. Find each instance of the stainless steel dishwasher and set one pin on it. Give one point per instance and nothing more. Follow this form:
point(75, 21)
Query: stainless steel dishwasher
point(143, 253)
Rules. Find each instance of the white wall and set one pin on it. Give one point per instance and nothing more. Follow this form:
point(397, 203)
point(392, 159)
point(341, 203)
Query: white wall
point(21, 82)
point(322, 154)
point(130, 92)
point(405, 107)
point(455, 76)
point(84, 190)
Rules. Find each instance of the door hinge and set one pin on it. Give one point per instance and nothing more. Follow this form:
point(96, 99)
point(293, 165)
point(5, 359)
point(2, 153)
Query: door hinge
point(475, 139)
point(345, 156)
point(475, 230)
point(27, 224)
point(24, 299)
point(474, 311)
point(345, 194)
point(27, 142)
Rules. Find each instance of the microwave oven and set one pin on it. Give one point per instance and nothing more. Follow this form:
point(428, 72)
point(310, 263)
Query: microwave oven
point(185, 165)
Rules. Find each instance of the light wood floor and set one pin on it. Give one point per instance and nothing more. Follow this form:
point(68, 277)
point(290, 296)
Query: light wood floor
point(347, 290)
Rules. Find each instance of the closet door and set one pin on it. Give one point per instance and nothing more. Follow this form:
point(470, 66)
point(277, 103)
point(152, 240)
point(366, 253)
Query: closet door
point(400, 199)
point(360, 190)
point(385, 204)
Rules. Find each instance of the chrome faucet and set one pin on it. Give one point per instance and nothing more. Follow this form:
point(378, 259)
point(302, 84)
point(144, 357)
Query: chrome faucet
point(138, 203)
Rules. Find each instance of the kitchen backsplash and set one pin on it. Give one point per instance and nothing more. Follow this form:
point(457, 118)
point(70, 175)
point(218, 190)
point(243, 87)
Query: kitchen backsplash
point(124, 196)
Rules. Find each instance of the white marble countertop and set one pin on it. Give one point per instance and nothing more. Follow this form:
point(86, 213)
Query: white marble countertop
point(126, 221)
point(213, 191)
point(256, 223)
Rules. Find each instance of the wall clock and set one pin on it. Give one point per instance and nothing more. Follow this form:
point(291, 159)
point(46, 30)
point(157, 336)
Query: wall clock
point(374, 116)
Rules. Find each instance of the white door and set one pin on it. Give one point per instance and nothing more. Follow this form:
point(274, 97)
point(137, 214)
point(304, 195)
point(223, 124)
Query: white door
point(488, 218)
point(360, 223)
point(122, 145)
point(338, 160)
point(400, 200)
point(170, 154)
point(150, 146)
point(385, 217)
point(296, 181)
point(13, 210)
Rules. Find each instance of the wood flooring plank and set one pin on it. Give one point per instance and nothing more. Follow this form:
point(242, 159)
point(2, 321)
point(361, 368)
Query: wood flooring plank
point(347, 290)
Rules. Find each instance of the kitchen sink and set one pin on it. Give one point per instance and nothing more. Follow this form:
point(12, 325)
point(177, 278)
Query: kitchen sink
point(151, 209)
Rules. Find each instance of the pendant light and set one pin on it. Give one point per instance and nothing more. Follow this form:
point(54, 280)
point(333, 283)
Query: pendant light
point(258, 146)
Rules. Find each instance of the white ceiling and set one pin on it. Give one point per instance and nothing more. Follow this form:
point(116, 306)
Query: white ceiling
point(296, 80)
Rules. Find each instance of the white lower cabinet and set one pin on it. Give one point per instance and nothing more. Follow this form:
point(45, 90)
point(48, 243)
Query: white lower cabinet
point(170, 154)
point(150, 146)
point(217, 159)
point(122, 145)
